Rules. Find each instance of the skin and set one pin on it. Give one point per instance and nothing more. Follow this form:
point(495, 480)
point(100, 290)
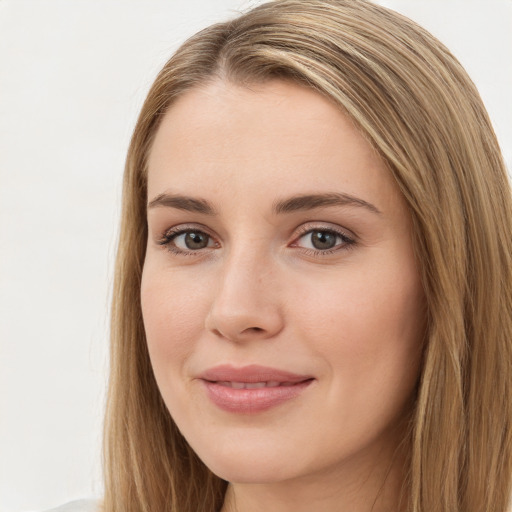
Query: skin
point(260, 293)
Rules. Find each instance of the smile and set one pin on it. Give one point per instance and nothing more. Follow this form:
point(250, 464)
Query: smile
point(254, 385)
point(252, 389)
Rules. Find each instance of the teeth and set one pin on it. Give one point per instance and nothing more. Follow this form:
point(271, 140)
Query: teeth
point(253, 385)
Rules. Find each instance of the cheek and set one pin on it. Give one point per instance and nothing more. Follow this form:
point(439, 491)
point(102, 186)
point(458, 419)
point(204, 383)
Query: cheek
point(173, 312)
point(369, 327)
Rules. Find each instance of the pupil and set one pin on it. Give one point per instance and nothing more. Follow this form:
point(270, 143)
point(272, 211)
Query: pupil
point(323, 239)
point(195, 240)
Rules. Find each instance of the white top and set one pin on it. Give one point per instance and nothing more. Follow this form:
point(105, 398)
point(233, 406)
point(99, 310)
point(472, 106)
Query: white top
point(78, 506)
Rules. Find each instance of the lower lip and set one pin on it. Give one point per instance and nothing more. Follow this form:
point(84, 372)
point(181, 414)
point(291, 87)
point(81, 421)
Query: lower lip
point(252, 400)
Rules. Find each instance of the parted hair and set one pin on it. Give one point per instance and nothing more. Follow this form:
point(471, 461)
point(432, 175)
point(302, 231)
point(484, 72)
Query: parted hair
point(415, 104)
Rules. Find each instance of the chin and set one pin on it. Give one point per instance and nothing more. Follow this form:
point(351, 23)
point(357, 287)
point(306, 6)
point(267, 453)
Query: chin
point(246, 464)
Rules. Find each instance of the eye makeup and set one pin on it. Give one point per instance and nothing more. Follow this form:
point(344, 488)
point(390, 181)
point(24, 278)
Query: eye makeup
point(313, 239)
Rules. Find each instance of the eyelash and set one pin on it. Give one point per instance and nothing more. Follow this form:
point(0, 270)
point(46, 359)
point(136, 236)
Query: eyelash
point(170, 235)
point(347, 241)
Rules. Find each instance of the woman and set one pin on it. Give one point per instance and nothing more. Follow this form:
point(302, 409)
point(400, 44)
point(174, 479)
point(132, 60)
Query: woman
point(312, 304)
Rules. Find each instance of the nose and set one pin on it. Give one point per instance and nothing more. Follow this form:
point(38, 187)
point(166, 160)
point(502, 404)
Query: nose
point(245, 303)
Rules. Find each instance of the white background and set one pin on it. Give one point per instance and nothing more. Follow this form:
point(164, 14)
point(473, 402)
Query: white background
point(73, 75)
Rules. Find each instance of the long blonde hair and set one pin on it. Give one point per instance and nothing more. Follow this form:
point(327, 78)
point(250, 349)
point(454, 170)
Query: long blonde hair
point(416, 105)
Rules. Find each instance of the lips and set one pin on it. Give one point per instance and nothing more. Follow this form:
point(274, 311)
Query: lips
point(252, 388)
point(253, 385)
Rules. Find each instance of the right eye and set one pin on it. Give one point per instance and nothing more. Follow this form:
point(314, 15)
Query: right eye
point(183, 241)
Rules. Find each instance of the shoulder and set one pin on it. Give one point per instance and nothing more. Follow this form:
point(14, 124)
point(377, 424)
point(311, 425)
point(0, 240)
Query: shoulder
point(78, 506)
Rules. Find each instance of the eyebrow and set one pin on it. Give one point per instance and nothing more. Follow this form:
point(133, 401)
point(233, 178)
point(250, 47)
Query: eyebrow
point(312, 201)
point(180, 202)
point(290, 205)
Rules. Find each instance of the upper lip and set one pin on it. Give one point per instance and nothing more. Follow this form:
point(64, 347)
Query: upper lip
point(251, 373)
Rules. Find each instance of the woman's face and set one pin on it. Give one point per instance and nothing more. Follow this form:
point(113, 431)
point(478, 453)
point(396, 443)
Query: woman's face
point(281, 299)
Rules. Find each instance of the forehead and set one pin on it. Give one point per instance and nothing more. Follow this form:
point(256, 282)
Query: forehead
point(270, 136)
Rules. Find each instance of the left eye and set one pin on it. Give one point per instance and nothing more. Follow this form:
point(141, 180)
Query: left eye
point(322, 240)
